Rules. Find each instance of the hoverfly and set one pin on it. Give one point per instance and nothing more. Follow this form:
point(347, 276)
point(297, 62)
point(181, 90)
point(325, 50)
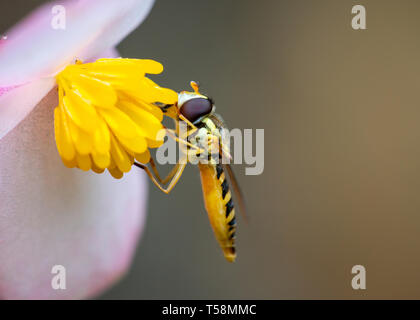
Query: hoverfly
point(204, 128)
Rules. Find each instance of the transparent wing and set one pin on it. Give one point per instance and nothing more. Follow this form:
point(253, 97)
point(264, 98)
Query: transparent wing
point(237, 191)
point(225, 152)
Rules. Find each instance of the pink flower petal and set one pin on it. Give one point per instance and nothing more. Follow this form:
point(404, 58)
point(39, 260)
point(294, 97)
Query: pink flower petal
point(17, 101)
point(15, 104)
point(34, 49)
point(3, 90)
point(51, 215)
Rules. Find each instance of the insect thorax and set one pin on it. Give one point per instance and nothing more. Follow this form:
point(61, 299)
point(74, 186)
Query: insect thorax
point(207, 138)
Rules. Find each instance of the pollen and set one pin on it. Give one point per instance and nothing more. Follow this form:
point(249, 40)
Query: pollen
point(107, 115)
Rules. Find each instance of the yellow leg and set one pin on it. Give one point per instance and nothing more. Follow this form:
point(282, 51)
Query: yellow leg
point(175, 176)
point(189, 123)
point(168, 177)
point(177, 171)
point(173, 112)
point(173, 135)
point(157, 184)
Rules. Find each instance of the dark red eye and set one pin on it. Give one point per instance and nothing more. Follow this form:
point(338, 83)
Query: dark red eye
point(196, 108)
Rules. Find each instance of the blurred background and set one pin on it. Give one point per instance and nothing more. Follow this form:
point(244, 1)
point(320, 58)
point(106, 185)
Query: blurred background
point(341, 184)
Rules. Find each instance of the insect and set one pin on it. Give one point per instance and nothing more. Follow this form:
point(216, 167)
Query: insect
point(204, 135)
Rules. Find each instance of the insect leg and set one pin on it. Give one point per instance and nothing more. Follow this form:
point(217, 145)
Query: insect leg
point(180, 166)
point(193, 127)
point(173, 135)
point(168, 177)
point(151, 176)
point(177, 176)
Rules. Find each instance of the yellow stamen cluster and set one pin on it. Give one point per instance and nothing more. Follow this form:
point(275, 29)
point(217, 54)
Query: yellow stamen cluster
point(106, 115)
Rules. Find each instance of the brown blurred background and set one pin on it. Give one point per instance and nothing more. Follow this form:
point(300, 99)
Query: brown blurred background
point(341, 114)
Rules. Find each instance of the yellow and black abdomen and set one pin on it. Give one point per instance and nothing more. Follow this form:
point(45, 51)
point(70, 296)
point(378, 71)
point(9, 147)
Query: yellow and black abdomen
point(219, 205)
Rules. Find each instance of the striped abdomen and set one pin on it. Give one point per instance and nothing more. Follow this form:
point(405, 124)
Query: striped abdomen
point(219, 205)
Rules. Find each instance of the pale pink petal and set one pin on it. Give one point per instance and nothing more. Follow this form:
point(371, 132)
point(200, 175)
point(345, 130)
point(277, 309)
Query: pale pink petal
point(4, 90)
point(51, 215)
point(17, 101)
point(34, 49)
point(15, 104)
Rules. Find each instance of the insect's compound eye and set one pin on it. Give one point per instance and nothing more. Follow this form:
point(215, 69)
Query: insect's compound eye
point(196, 108)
